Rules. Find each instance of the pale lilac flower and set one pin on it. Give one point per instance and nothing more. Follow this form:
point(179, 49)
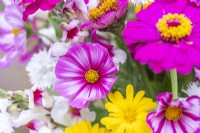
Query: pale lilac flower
point(69, 115)
point(85, 74)
point(12, 34)
point(178, 116)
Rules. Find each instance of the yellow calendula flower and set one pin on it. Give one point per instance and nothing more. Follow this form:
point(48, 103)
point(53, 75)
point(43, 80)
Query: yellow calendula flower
point(128, 115)
point(85, 127)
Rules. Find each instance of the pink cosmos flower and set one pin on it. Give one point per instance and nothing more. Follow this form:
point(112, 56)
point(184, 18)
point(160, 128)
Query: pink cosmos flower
point(165, 36)
point(197, 2)
point(175, 116)
point(12, 34)
point(106, 13)
point(34, 5)
point(85, 74)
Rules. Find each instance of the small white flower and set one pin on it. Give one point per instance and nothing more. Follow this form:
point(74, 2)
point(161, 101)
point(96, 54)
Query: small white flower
point(41, 69)
point(119, 57)
point(68, 115)
point(193, 89)
point(197, 73)
point(5, 118)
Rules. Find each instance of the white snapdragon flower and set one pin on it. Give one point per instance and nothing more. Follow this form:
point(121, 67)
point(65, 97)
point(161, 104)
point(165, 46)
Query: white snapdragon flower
point(5, 118)
point(68, 115)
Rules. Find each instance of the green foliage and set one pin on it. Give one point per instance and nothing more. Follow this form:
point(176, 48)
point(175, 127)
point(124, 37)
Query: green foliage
point(55, 21)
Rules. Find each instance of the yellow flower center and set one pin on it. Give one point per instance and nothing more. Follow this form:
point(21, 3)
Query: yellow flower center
point(174, 27)
point(16, 31)
point(173, 113)
point(129, 116)
point(104, 7)
point(91, 76)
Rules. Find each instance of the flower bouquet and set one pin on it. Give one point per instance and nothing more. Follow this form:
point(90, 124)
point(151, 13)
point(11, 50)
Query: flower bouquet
point(83, 58)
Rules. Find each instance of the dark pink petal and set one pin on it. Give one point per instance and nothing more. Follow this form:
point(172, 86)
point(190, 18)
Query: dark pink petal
point(108, 19)
point(107, 83)
point(44, 5)
point(31, 9)
point(53, 2)
point(164, 97)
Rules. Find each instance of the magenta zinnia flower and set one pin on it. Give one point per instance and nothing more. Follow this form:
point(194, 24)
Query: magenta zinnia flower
point(166, 36)
point(106, 13)
point(176, 116)
point(85, 74)
point(34, 5)
point(12, 34)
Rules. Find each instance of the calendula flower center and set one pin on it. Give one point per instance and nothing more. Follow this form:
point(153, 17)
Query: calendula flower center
point(173, 113)
point(129, 116)
point(91, 76)
point(16, 31)
point(104, 7)
point(174, 27)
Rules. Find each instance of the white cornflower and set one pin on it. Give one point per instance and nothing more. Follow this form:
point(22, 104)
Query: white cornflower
point(193, 89)
point(5, 118)
point(41, 69)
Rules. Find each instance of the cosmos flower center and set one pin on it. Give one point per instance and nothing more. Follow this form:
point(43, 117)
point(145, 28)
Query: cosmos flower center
point(104, 7)
point(91, 76)
point(16, 31)
point(173, 113)
point(129, 116)
point(174, 27)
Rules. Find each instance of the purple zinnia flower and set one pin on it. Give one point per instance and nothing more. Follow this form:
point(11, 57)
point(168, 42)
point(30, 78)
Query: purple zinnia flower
point(175, 116)
point(106, 13)
point(85, 74)
point(166, 36)
point(12, 34)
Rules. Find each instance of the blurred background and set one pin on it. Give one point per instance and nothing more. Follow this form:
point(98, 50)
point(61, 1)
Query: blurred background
point(15, 78)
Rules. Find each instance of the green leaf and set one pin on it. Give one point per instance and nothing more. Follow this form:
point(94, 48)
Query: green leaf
point(29, 30)
point(55, 21)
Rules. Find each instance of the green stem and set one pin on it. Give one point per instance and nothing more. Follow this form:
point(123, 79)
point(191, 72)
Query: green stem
point(145, 79)
point(174, 82)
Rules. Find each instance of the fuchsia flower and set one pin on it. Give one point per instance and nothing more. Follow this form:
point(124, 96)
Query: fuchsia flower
point(106, 13)
point(34, 5)
point(12, 34)
point(175, 116)
point(166, 36)
point(85, 74)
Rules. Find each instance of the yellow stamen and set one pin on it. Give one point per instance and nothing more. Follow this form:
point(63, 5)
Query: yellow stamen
point(173, 113)
point(104, 7)
point(174, 27)
point(91, 76)
point(16, 31)
point(129, 116)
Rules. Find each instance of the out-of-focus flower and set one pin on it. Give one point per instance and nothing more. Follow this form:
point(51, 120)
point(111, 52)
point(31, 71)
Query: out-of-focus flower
point(34, 5)
point(41, 69)
point(69, 115)
point(60, 48)
point(72, 32)
point(176, 116)
point(106, 13)
point(165, 37)
point(5, 118)
point(85, 74)
point(119, 57)
point(128, 114)
point(85, 127)
point(197, 2)
point(49, 34)
point(13, 34)
point(79, 9)
point(197, 73)
point(193, 89)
